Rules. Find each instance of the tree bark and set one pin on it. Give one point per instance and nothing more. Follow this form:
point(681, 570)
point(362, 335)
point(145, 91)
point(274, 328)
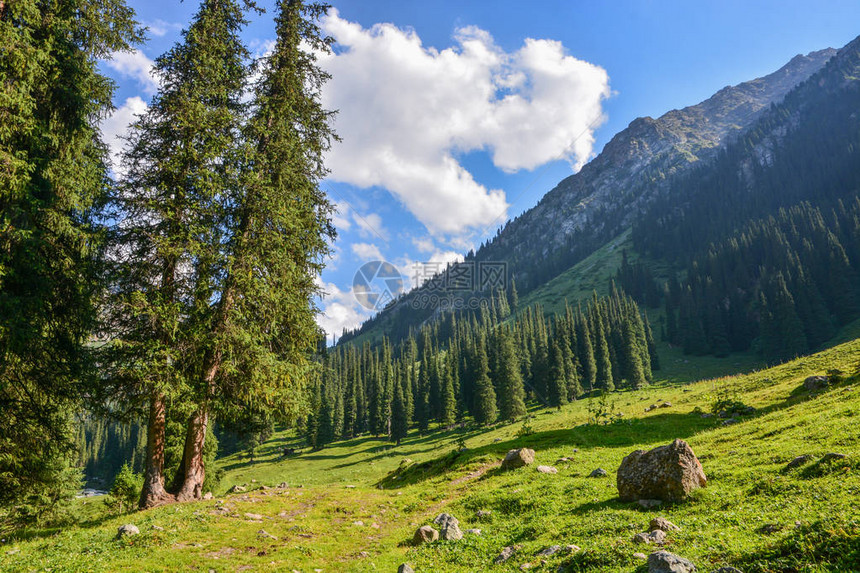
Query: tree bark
point(193, 468)
point(153, 493)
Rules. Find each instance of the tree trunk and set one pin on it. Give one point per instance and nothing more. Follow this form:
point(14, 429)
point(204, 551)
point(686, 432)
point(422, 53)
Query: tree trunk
point(192, 457)
point(153, 493)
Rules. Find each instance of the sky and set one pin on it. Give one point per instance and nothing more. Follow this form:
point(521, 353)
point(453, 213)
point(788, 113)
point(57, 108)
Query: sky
point(457, 116)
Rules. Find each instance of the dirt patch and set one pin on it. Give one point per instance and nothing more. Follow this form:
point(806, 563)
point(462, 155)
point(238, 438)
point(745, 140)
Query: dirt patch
point(475, 474)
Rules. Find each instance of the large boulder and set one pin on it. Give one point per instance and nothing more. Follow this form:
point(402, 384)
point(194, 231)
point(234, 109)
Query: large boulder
point(425, 534)
point(815, 383)
point(127, 530)
point(667, 473)
point(665, 562)
point(518, 458)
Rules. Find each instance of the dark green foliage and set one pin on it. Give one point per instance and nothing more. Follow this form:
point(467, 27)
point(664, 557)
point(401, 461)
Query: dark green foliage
point(52, 185)
point(125, 490)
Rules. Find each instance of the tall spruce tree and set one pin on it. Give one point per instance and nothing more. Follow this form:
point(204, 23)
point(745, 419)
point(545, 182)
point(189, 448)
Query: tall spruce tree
point(53, 183)
point(484, 409)
point(510, 381)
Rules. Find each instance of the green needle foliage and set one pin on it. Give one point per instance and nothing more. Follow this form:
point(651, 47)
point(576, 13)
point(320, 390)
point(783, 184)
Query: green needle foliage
point(53, 179)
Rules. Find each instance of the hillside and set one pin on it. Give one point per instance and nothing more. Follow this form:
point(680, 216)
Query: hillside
point(355, 505)
point(589, 209)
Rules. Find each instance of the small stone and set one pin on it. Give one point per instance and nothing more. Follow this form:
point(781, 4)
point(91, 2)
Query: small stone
point(472, 531)
point(425, 534)
point(663, 524)
point(728, 570)
point(572, 548)
point(127, 530)
point(349, 486)
point(799, 461)
point(484, 513)
point(563, 460)
point(547, 551)
point(236, 489)
point(157, 528)
point(641, 556)
point(358, 523)
point(265, 534)
point(374, 525)
point(547, 470)
point(525, 566)
point(506, 553)
point(649, 503)
point(832, 456)
point(254, 516)
point(598, 473)
point(769, 528)
point(282, 485)
point(208, 495)
point(665, 562)
point(656, 537)
point(497, 440)
point(363, 554)
point(666, 405)
point(404, 568)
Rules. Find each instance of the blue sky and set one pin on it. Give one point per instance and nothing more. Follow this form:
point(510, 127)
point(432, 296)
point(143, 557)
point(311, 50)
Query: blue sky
point(456, 116)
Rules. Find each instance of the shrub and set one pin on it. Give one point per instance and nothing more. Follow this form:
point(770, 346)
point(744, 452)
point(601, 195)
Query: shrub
point(126, 489)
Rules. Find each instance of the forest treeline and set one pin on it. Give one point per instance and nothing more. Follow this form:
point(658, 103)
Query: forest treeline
point(483, 366)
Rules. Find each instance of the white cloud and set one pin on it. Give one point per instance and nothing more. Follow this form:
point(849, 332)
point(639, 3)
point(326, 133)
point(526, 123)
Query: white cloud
point(406, 111)
point(367, 251)
point(161, 28)
point(340, 216)
point(424, 244)
point(116, 126)
point(370, 225)
point(135, 65)
point(340, 309)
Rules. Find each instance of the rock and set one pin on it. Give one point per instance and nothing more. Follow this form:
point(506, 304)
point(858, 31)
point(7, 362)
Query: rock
point(506, 553)
point(484, 513)
point(525, 566)
point(547, 470)
point(563, 460)
point(815, 383)
point(769, 528)
point(358, 523)
point(707, 415)
point(598, 473)
point(497, 440)
point(127, 530)
point(547, 551)
point(640, 556)
point(208, 495)
point(662, 524)
point(667, 473)
point(282, 485)
point(236, 489)
point(649, 503)
point(265, 534)
point(665, 562)
point(799, 461)
point(572, 548)
point(657, 537)
point(666, 405)
point(832, 456)
point(728, 570)
point(730, 421)
point(404, 568)
point(472, 531)
point(254, 516)
point(444, 518)
point(518, 458)
point(451, 532)
point(425, 534)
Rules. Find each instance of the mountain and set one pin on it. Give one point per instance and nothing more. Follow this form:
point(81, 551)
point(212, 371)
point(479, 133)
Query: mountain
point(639, 166)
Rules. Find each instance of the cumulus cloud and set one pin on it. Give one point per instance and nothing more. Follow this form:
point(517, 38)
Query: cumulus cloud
point(367, 251)
point(406, 112)
point(340, 309)
point(135, 65)
point(116, 126)
point(161, 28)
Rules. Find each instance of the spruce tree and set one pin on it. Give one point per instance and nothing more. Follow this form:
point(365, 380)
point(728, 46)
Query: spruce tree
point(399, 421)
point(484, 409)
point(510, 381)
point(557, 383)
point(53, 184)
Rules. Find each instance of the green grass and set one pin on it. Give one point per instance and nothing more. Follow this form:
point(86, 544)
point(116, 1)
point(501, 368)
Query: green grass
point(315, 519)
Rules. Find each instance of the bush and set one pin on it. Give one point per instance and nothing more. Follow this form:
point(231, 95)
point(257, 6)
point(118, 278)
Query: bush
point(126, 489)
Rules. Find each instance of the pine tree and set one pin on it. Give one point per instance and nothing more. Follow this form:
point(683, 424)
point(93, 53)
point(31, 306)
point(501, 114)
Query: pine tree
point(484, 409)
point(53, 183)
point(557, 386)
point(511, 392)
point(399, 421)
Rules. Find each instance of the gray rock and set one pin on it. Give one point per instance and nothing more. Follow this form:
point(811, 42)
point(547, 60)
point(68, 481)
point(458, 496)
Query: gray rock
point(832, 456)
point(505, 554)
point(656, 537)
point(663, 524)
point(265, 534)
point(815, 383)
point(728, 570)
point(404, 568)
point(799, 461)
point(237, 489)
point(473, 531)
point(640, 556)
point(484, 513)
point(666, 405)
point(208, 495)
point(127, 530)
point(572, 548)
point(667, 473)
point(665, 562)
point(730, 421)
point(451, 532)
point(547, 470)
point(445, 518)
point(598, 473)
point(547, 551)
point(518, 458)
point(425, 534)
point(254, 516)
